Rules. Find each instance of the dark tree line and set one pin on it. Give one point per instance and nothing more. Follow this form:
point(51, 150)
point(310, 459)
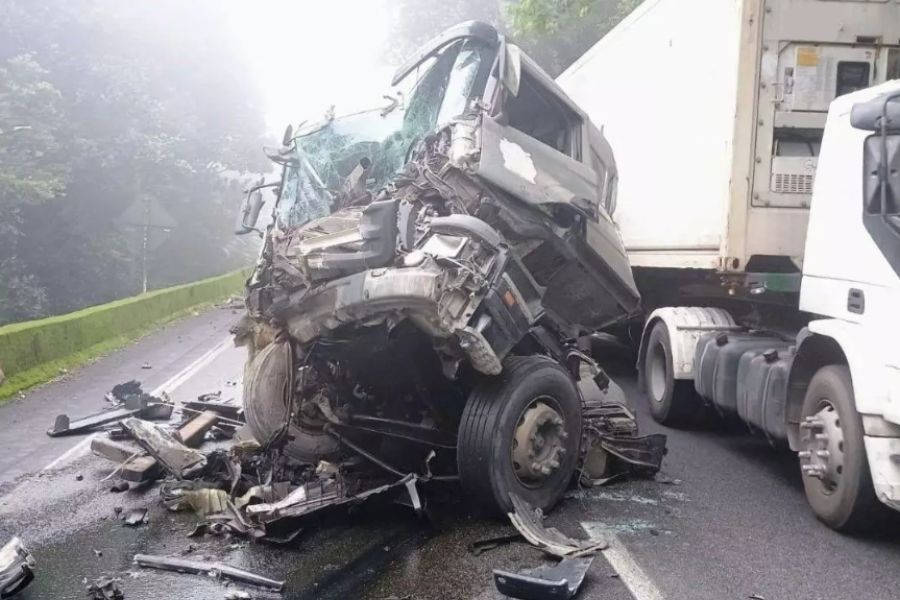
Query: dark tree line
point(109, 108)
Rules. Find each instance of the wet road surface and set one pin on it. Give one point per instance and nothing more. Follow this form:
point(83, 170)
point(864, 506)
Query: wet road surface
point(736, 524)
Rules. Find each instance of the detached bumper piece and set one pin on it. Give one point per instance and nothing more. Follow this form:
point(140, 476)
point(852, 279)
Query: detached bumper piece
point(16, 568)
point(558, 582)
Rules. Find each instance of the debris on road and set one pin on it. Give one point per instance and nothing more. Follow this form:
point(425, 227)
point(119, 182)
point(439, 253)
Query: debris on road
point(180, 565)
point(479, 547)
point(105, 588)
point(114, 450)
point(136, 517)
point(170, 453)
point(16, 568)
point(228, 409)
point(527, 520)
point(557, 582)
point(203, 501)
point(128, 400)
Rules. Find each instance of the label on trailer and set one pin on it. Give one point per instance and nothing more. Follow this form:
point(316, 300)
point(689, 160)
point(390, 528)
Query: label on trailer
point(807, 56)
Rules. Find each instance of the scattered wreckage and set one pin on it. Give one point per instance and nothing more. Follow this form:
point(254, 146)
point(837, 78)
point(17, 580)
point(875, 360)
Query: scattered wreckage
point(414, 322)
point(426, 276)
point(16, 568)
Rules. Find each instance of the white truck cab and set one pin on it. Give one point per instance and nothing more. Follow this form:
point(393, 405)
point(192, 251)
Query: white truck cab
point(851, 281)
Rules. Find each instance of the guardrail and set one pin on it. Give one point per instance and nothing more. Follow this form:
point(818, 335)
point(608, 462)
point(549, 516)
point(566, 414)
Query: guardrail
point(33, 352)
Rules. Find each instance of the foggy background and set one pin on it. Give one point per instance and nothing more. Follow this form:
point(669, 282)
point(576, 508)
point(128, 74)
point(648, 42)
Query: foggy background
point(148, 116)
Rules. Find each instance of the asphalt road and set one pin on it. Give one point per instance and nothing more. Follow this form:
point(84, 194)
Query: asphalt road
point(735, 526)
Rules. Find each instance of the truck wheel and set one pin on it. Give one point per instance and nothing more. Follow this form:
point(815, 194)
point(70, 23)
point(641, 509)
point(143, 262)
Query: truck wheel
point(520, 432)
point(833, 462)
point(673, 402)
point(266, 389)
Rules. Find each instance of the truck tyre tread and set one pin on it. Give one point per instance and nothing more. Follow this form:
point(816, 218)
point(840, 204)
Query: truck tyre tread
point(491, 414)
point(678, 404)
point(852, 507)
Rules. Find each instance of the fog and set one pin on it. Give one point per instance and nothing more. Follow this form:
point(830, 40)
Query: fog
point(129, 130)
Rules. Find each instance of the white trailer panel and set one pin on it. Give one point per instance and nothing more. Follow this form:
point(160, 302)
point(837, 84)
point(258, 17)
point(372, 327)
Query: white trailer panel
point(715, 111)
point(648, 84)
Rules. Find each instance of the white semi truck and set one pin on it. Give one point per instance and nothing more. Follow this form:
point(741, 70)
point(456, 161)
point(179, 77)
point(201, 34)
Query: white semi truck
point(764, 228)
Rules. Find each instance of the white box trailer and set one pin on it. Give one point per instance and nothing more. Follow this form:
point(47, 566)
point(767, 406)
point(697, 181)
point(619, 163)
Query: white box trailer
point(759, 203)
point(715, 109)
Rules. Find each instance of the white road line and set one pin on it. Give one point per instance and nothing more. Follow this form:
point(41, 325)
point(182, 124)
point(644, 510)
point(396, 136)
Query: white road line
point(167, 387)
point(631, 574)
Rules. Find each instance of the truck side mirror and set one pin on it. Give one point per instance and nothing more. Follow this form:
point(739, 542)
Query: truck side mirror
point(879, 113)
point(249, 214)
point(512, 68)
point(881, 161)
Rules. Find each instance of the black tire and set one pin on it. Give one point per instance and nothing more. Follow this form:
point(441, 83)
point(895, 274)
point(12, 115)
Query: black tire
point(673, 402)
point(851, 506)
point(487, 430)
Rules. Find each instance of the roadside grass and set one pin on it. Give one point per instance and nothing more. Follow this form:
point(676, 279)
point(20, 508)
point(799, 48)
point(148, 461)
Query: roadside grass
point(55, 369)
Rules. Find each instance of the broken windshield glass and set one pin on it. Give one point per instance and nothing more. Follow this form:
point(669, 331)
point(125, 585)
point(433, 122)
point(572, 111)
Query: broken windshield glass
point(325, 155)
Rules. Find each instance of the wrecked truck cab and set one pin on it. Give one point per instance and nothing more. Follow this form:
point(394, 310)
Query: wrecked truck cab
point(426, 272)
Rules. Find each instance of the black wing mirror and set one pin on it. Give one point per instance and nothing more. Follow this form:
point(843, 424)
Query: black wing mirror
point(250, 208)
point(879, 114)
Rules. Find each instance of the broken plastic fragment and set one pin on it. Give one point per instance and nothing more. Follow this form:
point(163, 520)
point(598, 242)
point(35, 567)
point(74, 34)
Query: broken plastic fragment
point(16, 568)
point(560, 581)
point(527, 520)
point(181, 565)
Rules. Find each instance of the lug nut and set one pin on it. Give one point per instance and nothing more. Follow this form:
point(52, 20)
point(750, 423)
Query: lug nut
point(804, 454)
point(813, 471)
point(823, 453)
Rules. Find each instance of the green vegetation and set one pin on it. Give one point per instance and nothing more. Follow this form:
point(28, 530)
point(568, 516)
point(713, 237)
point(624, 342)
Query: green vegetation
point(36, 351)
point(557, 32)
point(109, 111)
point(553, 32)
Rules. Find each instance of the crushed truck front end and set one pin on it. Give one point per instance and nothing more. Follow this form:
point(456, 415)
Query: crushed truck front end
point(427, 272)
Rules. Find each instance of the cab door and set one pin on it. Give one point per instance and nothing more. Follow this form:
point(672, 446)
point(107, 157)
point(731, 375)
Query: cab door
point(535, 148)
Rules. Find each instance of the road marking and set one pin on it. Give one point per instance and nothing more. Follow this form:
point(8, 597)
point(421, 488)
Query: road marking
point(621, 560)
point(169, 386)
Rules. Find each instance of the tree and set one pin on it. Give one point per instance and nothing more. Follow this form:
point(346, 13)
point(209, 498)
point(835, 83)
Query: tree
point(556, 32)
point(105, 104)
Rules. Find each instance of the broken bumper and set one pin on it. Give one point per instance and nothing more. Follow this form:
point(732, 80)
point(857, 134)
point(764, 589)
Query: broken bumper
point(423, 294)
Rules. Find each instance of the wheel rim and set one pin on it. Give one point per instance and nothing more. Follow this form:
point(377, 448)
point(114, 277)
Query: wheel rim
point(538, 444)
point(657, 371)
point(822, 440)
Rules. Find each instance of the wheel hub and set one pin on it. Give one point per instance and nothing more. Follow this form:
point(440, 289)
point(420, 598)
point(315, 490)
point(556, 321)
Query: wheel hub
point(822, 440)
point(538, 445)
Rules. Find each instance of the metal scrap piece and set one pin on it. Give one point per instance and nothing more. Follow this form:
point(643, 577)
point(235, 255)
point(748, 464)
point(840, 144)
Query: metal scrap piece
point(560, 581)
point(175, 457)
point(140, 405)
point(528, 521)
point(203, 501)
point(479, 547)
point(16, 568)
point(180, 565)
point(645, 453)
point(136, 517)
point(105, 588)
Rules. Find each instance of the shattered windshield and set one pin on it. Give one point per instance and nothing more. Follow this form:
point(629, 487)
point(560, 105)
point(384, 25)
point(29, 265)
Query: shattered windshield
point(325, 156)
